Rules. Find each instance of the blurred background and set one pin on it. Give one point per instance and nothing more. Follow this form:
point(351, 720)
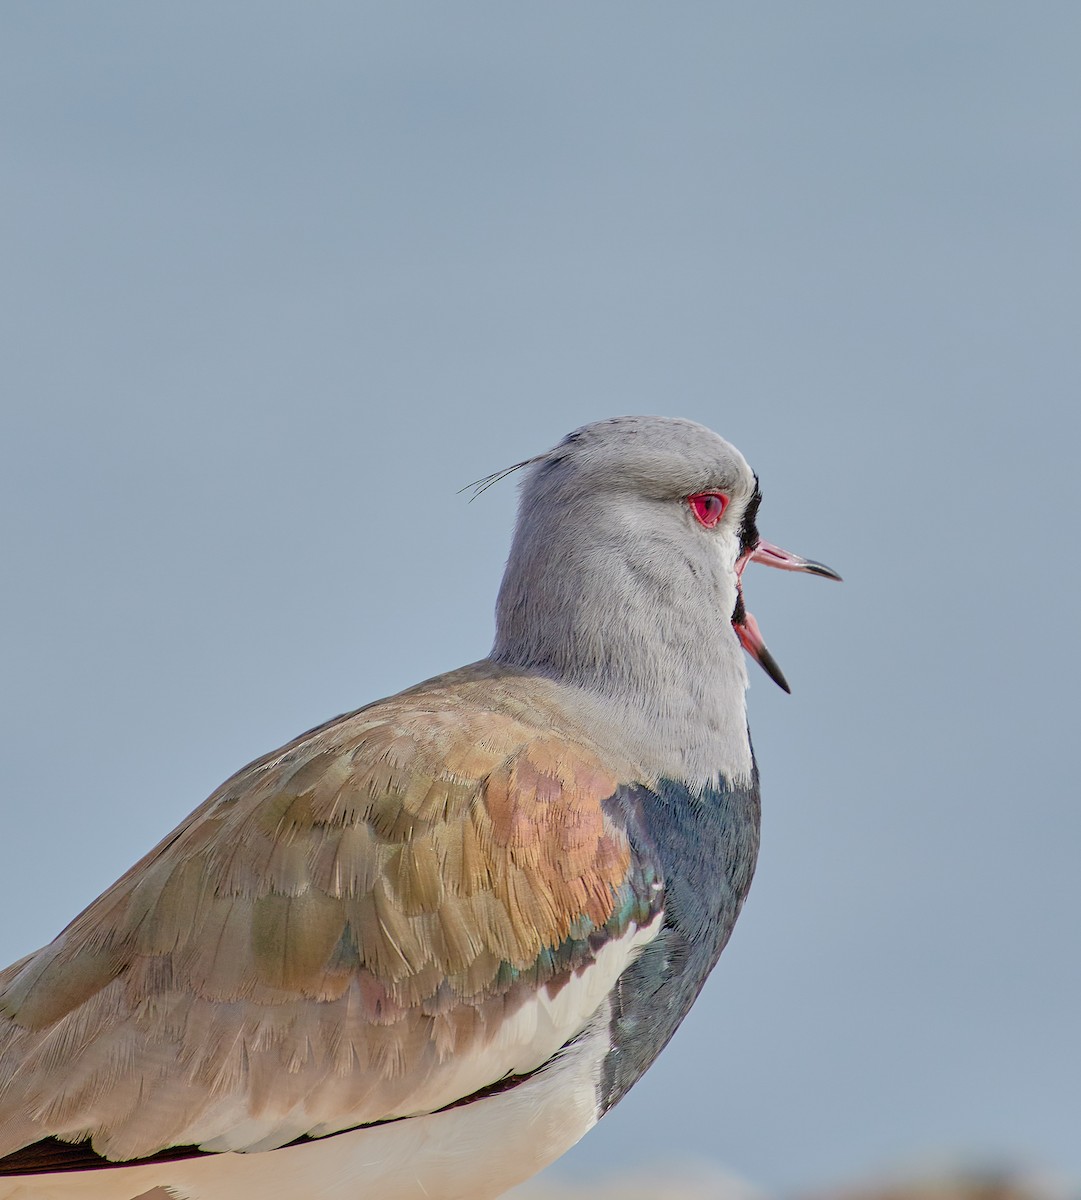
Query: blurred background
point(278, 280)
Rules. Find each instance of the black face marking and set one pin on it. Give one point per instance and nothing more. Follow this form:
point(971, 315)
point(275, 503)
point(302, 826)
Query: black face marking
point(739, 613)
point(748, 530)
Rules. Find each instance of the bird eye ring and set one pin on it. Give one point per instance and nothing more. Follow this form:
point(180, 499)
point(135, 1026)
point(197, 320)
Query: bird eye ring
point(708, 507)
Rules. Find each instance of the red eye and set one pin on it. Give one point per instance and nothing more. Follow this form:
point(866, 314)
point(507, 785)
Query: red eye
point(708, 507)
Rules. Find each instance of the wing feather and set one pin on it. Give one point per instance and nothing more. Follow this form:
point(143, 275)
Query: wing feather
point(377, 920)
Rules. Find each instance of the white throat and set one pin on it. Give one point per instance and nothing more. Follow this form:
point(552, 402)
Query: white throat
point(697, 735)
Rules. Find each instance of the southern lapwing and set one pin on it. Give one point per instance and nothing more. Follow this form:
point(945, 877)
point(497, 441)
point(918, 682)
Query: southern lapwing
point(416, 953)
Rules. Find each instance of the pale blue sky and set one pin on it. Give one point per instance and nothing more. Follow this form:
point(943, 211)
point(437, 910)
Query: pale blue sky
point(279, 280)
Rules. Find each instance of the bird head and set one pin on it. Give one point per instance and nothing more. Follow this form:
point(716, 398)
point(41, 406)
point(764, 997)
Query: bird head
point(634, 533)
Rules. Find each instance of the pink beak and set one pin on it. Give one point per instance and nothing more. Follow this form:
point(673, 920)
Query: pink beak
point(743, 622)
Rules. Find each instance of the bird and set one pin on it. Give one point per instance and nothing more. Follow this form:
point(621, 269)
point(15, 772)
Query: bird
point(419, 951)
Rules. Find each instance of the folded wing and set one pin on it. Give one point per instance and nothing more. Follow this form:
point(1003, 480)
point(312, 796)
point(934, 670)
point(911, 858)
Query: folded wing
point(392, 913)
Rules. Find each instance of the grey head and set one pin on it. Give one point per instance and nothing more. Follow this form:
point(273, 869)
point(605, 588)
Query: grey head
point(624, 582)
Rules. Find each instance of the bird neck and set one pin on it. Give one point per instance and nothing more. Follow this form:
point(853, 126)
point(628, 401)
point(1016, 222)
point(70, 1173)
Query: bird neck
point(643, 642)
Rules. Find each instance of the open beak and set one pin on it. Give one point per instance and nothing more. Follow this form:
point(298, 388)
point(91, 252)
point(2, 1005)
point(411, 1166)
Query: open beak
point(743, 622)
point(773, 556)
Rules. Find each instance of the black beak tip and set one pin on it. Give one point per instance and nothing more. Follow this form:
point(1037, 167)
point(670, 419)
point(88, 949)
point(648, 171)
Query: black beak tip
point(820, 569)
point(769, 664)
